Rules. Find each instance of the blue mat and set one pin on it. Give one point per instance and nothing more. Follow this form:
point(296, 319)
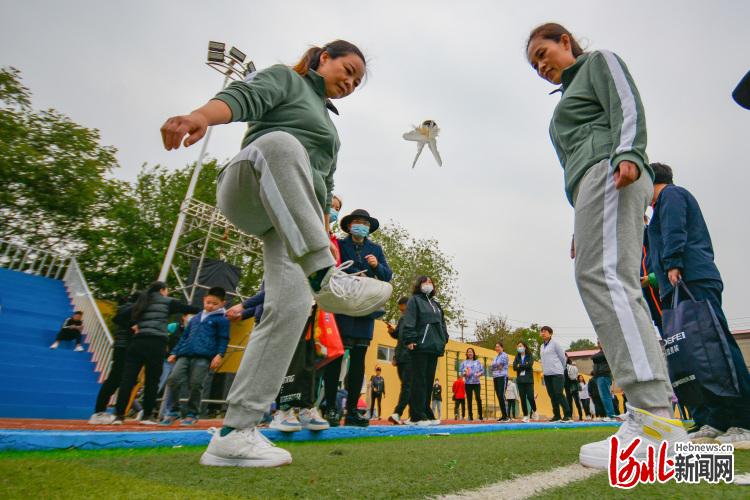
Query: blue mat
point(22, 440)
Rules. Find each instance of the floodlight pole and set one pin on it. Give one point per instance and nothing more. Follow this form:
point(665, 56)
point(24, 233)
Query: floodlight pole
point(188, 194)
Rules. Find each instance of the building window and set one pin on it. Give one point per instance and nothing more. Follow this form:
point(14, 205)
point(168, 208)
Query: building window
point(386, 353)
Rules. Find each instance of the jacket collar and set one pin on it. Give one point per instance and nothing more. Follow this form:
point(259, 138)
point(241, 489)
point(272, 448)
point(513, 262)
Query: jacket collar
point(570, 72)
point(319, 86)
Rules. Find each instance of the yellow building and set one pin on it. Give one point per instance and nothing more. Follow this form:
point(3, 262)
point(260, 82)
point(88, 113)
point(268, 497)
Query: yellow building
point(381, 353)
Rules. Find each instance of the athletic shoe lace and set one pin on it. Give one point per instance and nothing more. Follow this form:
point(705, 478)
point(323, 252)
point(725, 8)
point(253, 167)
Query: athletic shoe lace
point(341, 284)
point(256, 438)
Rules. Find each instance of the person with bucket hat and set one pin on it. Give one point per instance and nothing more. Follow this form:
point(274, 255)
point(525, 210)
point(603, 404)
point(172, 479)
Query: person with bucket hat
point(368, 260)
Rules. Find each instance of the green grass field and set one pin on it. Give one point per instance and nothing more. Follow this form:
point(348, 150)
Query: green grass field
point(403, 467)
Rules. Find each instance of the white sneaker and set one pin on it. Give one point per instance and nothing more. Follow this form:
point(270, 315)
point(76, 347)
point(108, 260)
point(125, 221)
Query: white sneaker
point(148, 421)
point(243, 448)
point(285, 421)
point(139, 415)
point(736, 436)
point(534, 416)
point(706, 434)
point(435, 422)
point(311, 420)
point(525, 419)
point(54, 345)
point(102, 418)
point(78, 348)
point(351, 295)
point(395, 419)
point(638, 423)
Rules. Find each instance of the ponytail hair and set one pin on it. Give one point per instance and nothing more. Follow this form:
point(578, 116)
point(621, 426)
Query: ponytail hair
point(554, 32)
point(311, 58)
point(144, 299)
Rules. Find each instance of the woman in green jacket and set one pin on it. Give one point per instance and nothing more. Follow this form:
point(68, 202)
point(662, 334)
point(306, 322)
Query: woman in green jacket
point(425, 335)
point(599, 132)
point(279, 187)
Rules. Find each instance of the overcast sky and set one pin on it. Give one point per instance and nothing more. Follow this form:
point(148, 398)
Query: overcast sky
point(497, 205)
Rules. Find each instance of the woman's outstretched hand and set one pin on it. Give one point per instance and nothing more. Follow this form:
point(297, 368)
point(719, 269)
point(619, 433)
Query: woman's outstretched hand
point(176, 128)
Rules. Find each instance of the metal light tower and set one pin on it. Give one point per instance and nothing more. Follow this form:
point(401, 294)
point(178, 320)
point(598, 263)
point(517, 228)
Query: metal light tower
point(232, 66)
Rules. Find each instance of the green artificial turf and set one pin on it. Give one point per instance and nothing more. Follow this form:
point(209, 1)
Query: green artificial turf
point(402, 467)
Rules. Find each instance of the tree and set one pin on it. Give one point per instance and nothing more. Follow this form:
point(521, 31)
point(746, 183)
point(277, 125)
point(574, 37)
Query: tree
point(582, 345)
point(495, 328)
point(53, 183)
point(129, 244)
point(410, 257)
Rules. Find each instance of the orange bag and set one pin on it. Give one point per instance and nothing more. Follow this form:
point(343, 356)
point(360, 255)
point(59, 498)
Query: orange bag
point(328, 345)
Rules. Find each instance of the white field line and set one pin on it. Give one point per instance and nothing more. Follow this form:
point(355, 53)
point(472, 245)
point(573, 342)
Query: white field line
point(527, 486)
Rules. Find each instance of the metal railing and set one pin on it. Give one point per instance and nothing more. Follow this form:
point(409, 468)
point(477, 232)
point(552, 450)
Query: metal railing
point(53, 265)
point(94, 327)
point(32, 260)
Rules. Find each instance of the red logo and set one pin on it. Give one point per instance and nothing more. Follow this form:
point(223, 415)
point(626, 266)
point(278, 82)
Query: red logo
point(625, 471)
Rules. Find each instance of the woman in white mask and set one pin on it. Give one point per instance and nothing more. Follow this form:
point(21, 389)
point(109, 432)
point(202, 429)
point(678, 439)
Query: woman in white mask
point(425, 335)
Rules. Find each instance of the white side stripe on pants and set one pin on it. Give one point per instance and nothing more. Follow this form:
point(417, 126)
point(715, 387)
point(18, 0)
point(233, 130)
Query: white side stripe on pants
point(625, 315)
point(268, 187)
point(627, 102)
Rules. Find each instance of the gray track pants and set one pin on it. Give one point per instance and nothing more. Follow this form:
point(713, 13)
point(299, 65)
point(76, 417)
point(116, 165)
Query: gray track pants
point(608, 242)
point(267, 190)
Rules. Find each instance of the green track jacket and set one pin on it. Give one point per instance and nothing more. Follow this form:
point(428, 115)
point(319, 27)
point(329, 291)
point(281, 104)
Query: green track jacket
point(599, 116)
point(278, 98)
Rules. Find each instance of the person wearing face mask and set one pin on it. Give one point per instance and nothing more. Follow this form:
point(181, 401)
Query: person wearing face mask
point(523, 365)
point(367, 259)
point(425, 335)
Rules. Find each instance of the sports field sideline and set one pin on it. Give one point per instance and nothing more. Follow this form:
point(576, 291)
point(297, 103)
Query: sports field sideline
point(508, 464)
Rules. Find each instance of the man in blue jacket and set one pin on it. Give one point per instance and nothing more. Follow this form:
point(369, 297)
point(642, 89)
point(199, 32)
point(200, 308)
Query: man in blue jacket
point(367, 259)
point(681, 249)
point(200, 349)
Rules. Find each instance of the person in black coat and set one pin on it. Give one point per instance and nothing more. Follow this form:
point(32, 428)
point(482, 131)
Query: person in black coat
point(681, 250)
point(122, 335)
point(425, 335)
point(523, 365)
point(402, 361)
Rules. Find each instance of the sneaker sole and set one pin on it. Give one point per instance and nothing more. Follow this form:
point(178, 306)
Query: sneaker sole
point(593, 461)
point(394, 421)
point(214, 461)
point(285, 429)
point(316, 427)
point(704, 440)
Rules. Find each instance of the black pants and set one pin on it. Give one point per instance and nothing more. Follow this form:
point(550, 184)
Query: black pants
point(500, 383)
point(404, 369)
point(424, 366)
point(113, 380)
point(471, 391)
point(586, 408)
point(352, 382)
point(571, 396)
point(526, 393)
point(376, 396)
point(142, 352)
point(69, 334)
point(460, 403)
point(599, 407)
point(554, 384)
point(511, 408)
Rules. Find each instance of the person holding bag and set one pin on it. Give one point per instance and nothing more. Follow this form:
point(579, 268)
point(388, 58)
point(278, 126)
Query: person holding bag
point(367, 259)
point(683, 259)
